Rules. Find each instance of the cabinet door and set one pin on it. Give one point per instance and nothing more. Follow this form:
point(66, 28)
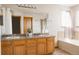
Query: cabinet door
point(31, 47)
point(19, 47)
point(6, 47)
point(31, 50)
point(50, 45)
point(41, 46)
point(19, 50)
point(6, 50)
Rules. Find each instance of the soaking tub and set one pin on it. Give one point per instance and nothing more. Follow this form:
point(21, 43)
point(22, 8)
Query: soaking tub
point(69, 45)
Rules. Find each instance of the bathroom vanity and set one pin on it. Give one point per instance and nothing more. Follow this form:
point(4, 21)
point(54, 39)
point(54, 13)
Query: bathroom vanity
point(35, 45)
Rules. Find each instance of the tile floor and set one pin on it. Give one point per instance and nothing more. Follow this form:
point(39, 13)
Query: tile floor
point(60, 52)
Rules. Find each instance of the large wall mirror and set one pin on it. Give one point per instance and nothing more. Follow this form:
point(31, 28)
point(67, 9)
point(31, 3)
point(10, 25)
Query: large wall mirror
point(19, 22)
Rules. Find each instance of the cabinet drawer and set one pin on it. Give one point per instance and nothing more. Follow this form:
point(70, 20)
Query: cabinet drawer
point(19, 50)
point(31, 50)
point(50, 45)
point(6, 50)
point(41, 49)
point(41, 46)
point(5, 43)
point(19, 42)
point(41, 40)
point(31, 42)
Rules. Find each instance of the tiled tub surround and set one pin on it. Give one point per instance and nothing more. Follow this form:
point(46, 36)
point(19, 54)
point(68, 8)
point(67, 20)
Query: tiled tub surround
point(34, 45)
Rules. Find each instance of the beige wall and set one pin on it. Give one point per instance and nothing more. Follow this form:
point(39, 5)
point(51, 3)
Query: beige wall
point(7, 20)
point(60, 34)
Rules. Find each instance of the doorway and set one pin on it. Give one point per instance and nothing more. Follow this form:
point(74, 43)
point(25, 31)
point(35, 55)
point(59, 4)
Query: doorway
point(16, 24)
point(1, 20)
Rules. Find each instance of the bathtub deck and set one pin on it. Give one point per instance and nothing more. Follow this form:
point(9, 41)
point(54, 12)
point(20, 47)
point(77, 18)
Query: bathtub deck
point(70, 46)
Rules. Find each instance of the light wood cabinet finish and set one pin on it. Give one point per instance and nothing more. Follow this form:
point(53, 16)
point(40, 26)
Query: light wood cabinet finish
point(6, 50)
point(41, 46)
point(27, 23)
point(19, 47)
point(5, 43)
point(33, 46)
point(18, 42)
point(19, 50)
point(31, 51)
point(6, 47)
point(50, 45)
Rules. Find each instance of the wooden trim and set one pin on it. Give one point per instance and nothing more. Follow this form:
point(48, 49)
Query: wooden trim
point(31, 21)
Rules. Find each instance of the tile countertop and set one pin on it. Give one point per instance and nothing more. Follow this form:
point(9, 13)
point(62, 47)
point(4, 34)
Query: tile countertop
point(26, 37)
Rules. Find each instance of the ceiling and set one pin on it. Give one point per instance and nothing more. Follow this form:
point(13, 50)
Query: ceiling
point(68, 5)
point(41, 8)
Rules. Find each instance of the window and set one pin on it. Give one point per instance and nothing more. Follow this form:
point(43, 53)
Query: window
point(67, 24)
point(66, 19)
point(77, 19)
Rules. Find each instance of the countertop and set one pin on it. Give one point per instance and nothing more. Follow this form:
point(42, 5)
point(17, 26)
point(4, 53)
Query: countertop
point(25, 37)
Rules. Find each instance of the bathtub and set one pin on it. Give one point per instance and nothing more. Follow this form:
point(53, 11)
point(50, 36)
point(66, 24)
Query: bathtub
point(69, 45)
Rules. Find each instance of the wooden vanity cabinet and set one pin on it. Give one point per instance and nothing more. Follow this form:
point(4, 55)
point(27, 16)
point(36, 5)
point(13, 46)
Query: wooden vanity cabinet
point(28, 46)
point(31, 46)
point(6, 50)
point(41, 46)
point(6, 47)
point(19, 47)
point(50, 45)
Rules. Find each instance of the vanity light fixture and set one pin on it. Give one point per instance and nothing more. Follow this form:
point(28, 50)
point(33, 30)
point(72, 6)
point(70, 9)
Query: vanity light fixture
point(31, 6)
